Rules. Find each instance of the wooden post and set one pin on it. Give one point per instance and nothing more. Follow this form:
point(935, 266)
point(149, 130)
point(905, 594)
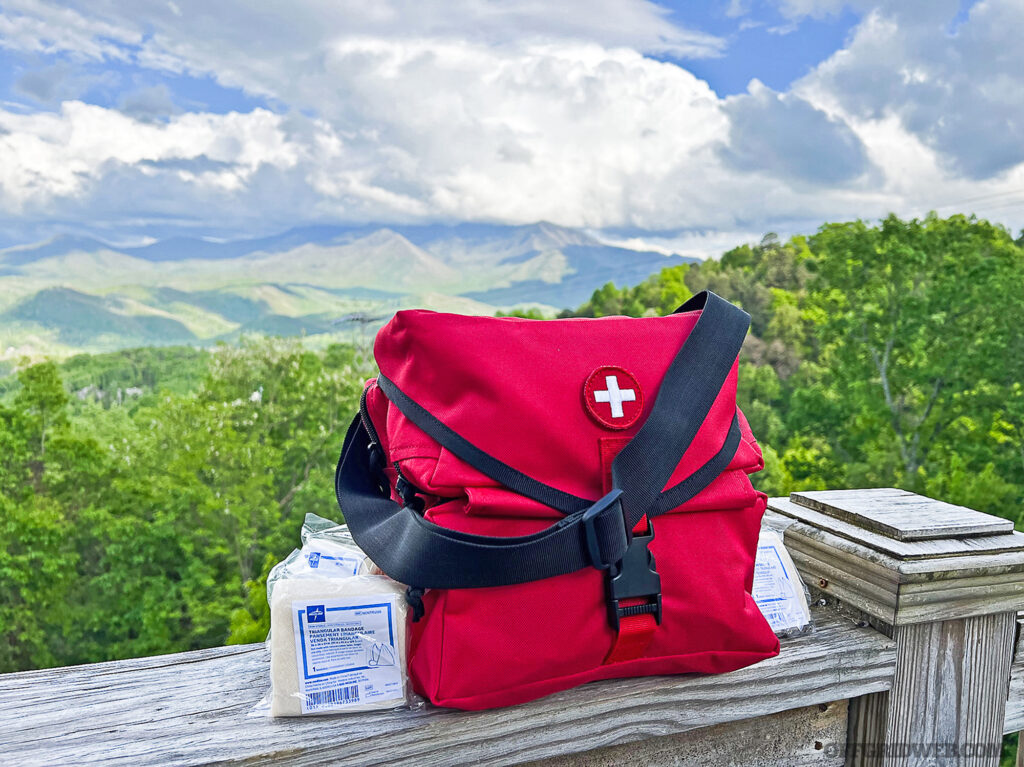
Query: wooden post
point(945, 583)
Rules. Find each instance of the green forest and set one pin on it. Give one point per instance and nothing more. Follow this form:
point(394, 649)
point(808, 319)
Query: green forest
point(145, 494)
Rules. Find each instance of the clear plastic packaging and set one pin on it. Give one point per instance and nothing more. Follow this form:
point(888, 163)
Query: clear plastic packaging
point(338, 638)
point(316, 527)
point(779, 591)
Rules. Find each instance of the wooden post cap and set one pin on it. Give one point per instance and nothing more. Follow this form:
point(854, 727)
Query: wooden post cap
point(902, 515)
point(902, 557)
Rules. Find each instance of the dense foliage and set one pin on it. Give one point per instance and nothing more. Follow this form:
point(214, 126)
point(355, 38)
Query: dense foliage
point(890, 355)
point(145, 494)
point(146, 526)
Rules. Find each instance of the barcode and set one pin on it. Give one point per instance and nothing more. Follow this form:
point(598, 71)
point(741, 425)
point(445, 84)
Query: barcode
point(338, 696)
point(781, 620)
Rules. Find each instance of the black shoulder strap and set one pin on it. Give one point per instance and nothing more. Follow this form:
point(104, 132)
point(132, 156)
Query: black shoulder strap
point(689, 389)
point(413, 550)
point(483, 462)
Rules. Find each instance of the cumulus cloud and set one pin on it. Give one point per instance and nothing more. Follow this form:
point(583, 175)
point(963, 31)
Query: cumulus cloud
point(45, 156)
point(784, 135)
point(403, 110)
point(961, 93)
point(571, 132)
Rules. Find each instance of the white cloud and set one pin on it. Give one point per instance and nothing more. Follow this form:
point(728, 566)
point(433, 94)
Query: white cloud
point(787, 136)
point(46, 156)
point(515, 112)
point(961, 95)
point(31, 26)
point(816, 9)
point(573, 133)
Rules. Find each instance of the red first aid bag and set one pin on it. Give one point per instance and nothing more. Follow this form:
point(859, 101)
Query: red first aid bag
point(568, 500)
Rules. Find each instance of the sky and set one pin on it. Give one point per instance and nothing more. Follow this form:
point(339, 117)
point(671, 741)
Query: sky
point(690, 126)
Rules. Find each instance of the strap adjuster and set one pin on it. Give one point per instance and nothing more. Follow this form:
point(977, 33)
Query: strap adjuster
point(594, 551)
point(377, 461)
point(409, 493)
point(635, 577)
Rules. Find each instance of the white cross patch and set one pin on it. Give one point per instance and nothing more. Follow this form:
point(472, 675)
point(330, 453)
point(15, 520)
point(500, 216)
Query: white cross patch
point(614, 396)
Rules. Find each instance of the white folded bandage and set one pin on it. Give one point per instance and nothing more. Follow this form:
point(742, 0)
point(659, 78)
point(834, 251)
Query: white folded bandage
point(337, 644)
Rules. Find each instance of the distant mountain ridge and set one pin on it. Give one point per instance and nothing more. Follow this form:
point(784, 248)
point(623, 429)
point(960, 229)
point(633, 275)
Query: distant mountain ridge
point(74, 292)
point(182, 248)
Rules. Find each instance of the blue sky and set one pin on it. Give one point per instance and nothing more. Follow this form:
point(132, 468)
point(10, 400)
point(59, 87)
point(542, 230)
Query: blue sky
point(763, 43)
point(695, 123)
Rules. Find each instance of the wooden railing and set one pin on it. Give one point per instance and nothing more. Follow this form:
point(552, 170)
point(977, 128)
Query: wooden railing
point(911, 662)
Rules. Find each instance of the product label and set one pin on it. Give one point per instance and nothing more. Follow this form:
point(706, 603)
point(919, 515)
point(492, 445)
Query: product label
point(346, 652)
point(778, 590)
point(334, 564)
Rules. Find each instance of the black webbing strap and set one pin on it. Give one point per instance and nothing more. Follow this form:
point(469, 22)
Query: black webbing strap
point(679, 494)
point(688, 390)
point(413, 550)
point(483, 462)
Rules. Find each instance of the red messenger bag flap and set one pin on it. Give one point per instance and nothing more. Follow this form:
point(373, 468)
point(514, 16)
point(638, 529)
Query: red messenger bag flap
point(557, 484)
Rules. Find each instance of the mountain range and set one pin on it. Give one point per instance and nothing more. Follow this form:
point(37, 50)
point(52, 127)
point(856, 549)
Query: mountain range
point(78, 293)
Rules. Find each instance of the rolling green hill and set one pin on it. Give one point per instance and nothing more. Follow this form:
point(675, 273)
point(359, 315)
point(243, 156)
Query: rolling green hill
point(80, 294)
point(80, 319)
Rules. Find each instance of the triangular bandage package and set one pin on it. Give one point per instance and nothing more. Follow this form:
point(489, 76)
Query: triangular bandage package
point(338, 633)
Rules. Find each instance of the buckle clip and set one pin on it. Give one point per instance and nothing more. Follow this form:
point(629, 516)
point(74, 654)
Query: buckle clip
point(635, 576)
point(409, 493)
point(377, 461)
point(593, 544)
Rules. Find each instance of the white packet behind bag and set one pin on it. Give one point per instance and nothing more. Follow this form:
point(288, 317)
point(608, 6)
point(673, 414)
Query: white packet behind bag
point(778, 590)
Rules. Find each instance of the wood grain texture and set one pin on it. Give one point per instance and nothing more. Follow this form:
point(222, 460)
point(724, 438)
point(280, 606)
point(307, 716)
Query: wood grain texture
point(950, 688)
point(192, 709)
point(812, 736)
point(902, 515)
point(927, 549)
point(940, 586)
point(1014, 720)
point(866, 724)
point(845, 570)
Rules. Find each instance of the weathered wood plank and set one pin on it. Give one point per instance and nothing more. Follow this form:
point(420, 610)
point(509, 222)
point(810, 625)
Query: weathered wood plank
point(844, 562)
point(845, 570)
point(866, 720)
point(812, 736)
point(902, 515)
point(950, 690)
point(950, 604)
point(1014, 721)
point(192, 709)
point(943, 547)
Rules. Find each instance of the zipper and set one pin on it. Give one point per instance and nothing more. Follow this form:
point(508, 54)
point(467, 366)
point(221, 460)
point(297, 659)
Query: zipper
point(364, 416)
point(403, 486)
point(413, 595)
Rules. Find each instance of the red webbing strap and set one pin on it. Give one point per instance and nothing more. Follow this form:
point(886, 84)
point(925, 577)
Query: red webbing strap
point(635, 631)
point(635, 634)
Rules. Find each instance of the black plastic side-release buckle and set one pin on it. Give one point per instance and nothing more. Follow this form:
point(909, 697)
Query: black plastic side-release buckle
point(377, 461)
point(593, 539)
point(635, 577)
point(414, 598)
point(408, 491)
